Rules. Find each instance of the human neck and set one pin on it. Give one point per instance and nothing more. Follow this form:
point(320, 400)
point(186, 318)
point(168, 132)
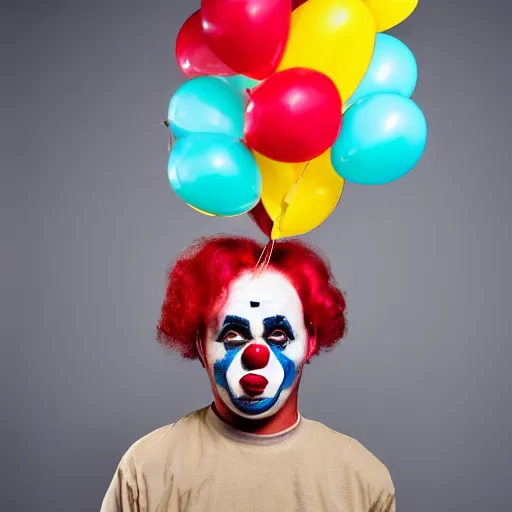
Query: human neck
point(283, 419)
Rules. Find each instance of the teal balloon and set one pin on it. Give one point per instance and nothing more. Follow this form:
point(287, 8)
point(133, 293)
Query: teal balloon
point(207, 104)
point(241, 83)
point(381, 139)
point(393, 68)
point(215, 173)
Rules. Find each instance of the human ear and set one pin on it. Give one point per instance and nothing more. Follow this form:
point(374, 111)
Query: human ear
point(200, 351)
point(312, 346)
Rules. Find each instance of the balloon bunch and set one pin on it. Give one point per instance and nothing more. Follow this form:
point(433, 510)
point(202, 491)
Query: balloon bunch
point(288, 99)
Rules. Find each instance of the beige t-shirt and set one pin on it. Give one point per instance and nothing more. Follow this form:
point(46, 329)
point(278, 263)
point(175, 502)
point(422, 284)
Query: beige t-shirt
point(200, 463)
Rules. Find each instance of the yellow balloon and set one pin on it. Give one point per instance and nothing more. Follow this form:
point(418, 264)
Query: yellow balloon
point(212, 214)
point(201, 211)
point(299, 197)
point(335, 37)
point(389, 13)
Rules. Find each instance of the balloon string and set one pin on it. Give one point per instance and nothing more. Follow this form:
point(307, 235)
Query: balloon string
point(170, 144)
point(264, 259)
point(287, 199)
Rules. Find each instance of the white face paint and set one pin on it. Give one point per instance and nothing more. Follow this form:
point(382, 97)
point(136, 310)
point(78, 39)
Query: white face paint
point(258, 348)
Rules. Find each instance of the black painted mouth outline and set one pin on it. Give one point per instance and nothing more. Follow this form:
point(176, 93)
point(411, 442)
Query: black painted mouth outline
point(250, 400)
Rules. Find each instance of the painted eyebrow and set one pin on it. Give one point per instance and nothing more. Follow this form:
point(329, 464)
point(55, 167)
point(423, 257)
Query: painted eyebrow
point(235, 321)
point(277, 322)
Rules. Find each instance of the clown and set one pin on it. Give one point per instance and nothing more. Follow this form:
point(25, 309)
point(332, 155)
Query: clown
point(253, 326)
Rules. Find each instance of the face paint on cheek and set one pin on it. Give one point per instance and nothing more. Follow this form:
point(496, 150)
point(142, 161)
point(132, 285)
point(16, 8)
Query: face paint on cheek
point(288, 366)
point(280, 322)
point(220, 367)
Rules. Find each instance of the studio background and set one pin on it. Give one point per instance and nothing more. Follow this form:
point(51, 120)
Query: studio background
point(89, 225)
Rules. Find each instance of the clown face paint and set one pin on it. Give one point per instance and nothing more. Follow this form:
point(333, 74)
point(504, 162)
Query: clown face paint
point(257, 349)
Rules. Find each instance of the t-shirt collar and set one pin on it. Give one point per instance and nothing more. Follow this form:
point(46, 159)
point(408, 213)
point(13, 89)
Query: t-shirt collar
point(248, 437)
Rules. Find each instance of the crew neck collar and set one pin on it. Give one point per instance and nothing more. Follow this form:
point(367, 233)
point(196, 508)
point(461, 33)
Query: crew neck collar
point(248, 437)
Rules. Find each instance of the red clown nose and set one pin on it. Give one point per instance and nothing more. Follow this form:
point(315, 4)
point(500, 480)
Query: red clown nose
point(255, 356)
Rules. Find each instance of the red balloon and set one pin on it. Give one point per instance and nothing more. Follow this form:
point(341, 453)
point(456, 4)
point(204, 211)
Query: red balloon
point(297, 3)
point(194, 56)
point(248, 35)
point(262, 219)
point(293, 116)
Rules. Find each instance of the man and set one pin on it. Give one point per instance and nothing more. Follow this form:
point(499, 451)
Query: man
point(253, 326)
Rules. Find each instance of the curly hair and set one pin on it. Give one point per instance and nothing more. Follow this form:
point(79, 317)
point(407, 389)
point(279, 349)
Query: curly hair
point(199, 280)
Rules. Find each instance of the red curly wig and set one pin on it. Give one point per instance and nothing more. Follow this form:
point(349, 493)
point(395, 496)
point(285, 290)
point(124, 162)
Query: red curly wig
point(198, 284)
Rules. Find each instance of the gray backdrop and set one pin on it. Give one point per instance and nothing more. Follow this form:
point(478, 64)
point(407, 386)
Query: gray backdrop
point(89, 225)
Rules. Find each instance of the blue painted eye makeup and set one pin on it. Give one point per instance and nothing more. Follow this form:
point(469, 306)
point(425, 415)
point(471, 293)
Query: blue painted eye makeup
point(236, 330)
point(277, 330)
point(236, 325)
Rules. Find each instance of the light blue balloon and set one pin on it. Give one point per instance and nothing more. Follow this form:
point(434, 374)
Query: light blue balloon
point(207, 104)
point(241, 83)
point(393, 68)
point(382, 138)
point(215, 173)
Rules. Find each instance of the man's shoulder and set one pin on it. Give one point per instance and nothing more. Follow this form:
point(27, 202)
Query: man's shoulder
point(161, 440)
point(350, 452)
